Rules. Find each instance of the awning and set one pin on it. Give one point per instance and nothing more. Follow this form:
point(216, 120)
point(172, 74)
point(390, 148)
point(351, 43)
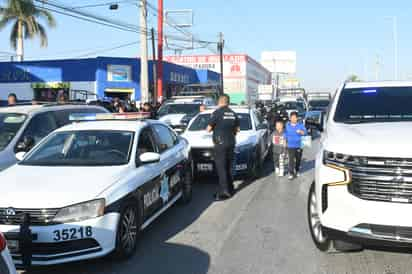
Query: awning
point(62, 85)
point(119, 90)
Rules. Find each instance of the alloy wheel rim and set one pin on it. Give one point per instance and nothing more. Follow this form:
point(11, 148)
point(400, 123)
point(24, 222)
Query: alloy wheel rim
point(315, 220)
point(129, 230)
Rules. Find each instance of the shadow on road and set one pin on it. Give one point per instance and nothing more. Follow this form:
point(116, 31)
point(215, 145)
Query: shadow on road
point(154, 253)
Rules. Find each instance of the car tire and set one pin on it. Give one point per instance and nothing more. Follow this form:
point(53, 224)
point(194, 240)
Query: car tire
point(187, 186)
point(315, 227)
point(128, 231)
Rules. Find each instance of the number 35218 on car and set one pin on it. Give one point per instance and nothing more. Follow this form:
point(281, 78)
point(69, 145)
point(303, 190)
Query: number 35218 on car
point(89, 188)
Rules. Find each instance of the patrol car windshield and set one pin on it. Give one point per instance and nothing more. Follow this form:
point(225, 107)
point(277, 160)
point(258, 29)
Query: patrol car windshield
point(10, 123)
point(83, 148)
point(371, 105)
point(201, 122)
point(178, 109)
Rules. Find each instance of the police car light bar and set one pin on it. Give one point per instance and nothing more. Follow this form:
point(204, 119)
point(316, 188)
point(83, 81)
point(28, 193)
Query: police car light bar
point(77, 117)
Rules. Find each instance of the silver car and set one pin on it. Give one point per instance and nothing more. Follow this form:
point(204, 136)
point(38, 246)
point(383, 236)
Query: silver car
point(21, 127)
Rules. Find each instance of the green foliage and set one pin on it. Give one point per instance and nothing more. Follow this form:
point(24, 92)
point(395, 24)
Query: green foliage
point(23, 15)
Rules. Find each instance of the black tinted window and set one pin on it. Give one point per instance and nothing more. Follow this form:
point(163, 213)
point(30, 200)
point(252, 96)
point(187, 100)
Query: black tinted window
point(374, 104)
point(39, 126)
point(166, 138)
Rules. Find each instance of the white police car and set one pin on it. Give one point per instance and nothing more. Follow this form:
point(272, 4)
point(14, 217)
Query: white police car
point(89, 189)
point(253, 143)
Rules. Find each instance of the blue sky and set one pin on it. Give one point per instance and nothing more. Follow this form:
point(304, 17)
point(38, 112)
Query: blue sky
point(332, 38)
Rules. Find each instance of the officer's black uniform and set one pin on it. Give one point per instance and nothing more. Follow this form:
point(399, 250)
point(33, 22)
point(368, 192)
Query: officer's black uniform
point(224, 122)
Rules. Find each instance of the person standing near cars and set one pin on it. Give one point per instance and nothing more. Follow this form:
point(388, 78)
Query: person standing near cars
point(295, 130)
point(224, 123)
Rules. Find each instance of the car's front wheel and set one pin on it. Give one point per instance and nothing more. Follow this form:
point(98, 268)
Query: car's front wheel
point(319, 238)
point(127, 232)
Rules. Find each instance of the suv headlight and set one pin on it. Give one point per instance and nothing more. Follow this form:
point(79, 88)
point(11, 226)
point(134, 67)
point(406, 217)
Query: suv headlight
point(339, 162)
point(80, 212)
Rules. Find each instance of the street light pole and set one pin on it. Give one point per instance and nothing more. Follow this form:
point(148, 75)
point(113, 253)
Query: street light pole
point(220, 47)
point(160, 51)
point(144, 67)
point(395, 44)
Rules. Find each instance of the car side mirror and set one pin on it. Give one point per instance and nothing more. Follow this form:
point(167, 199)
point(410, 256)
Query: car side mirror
point(20, 155)
point(25, 145)
point(149, 158)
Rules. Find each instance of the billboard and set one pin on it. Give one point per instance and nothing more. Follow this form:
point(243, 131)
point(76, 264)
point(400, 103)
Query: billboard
point(279, 61)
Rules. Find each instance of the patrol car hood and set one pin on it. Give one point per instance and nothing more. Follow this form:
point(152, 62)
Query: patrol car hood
point(203, 139)
point(172, 119)
point(54, 187)
point(372, 139)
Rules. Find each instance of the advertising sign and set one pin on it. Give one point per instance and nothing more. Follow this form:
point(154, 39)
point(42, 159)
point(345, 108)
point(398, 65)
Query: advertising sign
point(119, 73)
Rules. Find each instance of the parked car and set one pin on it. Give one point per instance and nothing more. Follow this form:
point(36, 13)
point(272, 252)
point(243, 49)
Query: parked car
point(361, 194)
point(91, 187)
point(21, 127)
point(252, 147)
point(6, 263)
point(175, 114)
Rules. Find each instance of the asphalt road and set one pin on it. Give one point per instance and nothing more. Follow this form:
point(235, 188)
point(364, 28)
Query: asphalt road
point(262, 230)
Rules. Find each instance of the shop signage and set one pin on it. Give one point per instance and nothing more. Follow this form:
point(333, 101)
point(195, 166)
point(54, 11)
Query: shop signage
point(15, 76)
point(179, 77)
point(119, 73)
point(53, 85)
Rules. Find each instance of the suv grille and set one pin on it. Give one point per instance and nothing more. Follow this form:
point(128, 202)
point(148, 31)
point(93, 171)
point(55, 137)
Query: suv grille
point(14, 216)
point(382, 179)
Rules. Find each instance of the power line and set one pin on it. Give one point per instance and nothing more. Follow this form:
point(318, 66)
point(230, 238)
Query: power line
point(108, 49)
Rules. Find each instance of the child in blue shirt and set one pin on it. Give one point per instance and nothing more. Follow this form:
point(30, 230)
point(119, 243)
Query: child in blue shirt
point(294, 132)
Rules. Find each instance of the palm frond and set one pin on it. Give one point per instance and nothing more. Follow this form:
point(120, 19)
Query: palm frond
point(51, 22)
point(14, 34)
point(43, 36)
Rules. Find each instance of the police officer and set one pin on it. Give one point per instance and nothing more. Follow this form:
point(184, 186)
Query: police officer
point(225, 124)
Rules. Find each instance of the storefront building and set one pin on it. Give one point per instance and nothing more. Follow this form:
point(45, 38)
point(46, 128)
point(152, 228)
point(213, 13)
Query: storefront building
point(242, 74)
point(90, 78)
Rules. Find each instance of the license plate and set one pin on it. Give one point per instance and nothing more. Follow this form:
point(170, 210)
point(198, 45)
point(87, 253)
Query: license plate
point(74, 233)
point(205, 167)
point(13, 246)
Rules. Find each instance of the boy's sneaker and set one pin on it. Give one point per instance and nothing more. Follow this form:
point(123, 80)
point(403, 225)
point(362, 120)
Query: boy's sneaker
point(297, 174)
point(291, 177)
point(277, 171)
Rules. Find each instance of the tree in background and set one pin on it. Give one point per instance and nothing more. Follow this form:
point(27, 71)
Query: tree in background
point(353, 78)
point(24, 15)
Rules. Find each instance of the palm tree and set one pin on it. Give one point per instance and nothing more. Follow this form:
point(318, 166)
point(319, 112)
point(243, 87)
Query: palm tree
point(24, 15)
point(353, 78)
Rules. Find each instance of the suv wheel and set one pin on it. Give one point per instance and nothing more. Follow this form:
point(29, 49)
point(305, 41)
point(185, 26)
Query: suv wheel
point(127, 232)
point(321, 241)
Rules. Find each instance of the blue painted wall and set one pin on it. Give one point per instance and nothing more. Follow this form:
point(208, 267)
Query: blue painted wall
point(95, 69)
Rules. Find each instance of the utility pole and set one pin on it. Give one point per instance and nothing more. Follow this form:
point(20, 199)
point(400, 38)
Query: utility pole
point(144, 68)
point(160, 51)
point(154, 65)
point(220, 46)
point(377, 68)
point(395, 41)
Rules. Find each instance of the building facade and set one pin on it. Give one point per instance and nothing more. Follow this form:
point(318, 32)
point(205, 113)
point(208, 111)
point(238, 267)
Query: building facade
point(91, 78)
point(242, 74)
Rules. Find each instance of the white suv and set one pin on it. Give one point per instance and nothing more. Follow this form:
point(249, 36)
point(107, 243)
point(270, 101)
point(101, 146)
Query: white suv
point(362, 194)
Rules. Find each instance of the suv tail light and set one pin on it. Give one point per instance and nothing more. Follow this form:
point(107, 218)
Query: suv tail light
point(2, 242)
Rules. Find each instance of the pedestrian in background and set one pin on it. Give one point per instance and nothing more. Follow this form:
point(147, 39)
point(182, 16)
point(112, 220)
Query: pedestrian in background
point(279, 148)
point(12, 99)
point(224, 123)
point(294, 132)
point(202, 108)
